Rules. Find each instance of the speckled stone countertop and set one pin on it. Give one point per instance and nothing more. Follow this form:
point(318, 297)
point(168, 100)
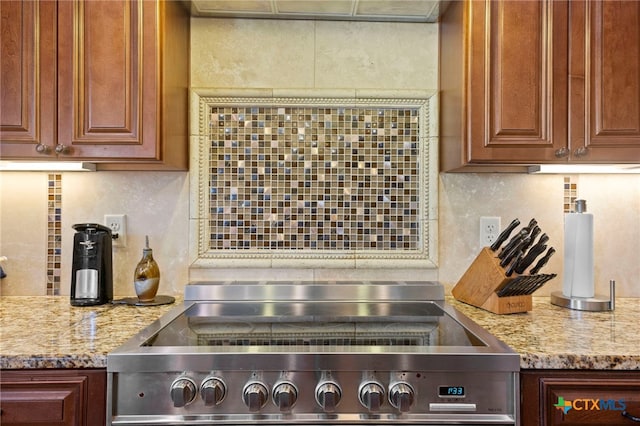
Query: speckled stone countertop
point(46, 332)
point(551, 337)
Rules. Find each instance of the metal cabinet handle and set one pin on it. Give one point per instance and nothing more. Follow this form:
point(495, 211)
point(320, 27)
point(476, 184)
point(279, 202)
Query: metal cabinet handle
point(61, 149)
point(41, 149)
point(581, 152)
point(630, 417)
point(562, 152)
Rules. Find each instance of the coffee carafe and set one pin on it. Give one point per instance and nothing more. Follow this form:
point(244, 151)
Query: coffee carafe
point(92, 271)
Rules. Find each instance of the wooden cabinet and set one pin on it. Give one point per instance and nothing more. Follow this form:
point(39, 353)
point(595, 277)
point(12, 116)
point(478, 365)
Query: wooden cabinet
point(27, 79)
point(604, 88)
point(53, 397)
point(539, 82)
point(578, 397)
point(98, 80)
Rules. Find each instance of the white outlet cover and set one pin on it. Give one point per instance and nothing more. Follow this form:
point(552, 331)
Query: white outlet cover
point(489, 230)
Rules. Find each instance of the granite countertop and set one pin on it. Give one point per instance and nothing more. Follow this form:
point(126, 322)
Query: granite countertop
point(47, 332)
point(551, 337)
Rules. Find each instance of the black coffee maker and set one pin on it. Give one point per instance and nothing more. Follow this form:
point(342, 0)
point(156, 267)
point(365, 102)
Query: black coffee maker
point(92, 272)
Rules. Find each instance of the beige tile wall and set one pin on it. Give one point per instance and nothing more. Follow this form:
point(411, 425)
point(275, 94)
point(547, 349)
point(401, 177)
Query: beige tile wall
point(156, 204)
point(235, 53)
point(320, 55)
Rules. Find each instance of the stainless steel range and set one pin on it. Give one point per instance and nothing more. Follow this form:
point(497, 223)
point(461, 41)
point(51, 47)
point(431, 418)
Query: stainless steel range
point(309, 353)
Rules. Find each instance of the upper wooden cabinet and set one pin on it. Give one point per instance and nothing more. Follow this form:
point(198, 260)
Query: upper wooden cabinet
point(537, 82)
point(604, 88)
point(96, 80)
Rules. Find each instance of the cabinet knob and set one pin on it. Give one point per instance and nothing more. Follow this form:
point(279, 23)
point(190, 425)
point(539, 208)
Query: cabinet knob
point(42, 149)
point(562, 152)
point(61, 149)
point(581, 152)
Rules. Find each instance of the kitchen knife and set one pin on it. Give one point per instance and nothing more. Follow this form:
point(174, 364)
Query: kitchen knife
point(512, 287)
point(505, 234)
point(543, 239)
point(531, 224)
point(543, 261)
point(514, 252)
point(515, 240)
point(533, 234)
point(506, 289)
point(514, 264)
point(534, 282)
point(539, 283)
point(531, 255)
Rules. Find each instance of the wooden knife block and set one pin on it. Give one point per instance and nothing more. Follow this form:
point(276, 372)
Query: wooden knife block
point(480, 282)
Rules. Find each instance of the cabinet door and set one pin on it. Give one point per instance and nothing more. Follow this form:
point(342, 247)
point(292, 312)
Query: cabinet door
point(612, 107)
point(53, 397)
point(108, 75)
point(27, 79)
point(579, 397)
point(517, 101)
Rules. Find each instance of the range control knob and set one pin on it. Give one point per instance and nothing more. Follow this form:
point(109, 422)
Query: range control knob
point(255, 395)
point(212, 391)
point(183, 391)
point(371, 395)
point(401, 396)
point(328, 395)
point(285, 395)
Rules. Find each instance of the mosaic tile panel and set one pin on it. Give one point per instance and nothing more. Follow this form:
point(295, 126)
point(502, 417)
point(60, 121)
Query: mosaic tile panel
point(314, 178)
point(54, 233)
point(570, 194)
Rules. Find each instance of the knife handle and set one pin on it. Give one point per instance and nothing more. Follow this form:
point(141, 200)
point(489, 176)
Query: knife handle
point(534, 233)
point(543, 261)
point(513, 242)
point(514, 252)
point(530, 257)
point(513, 265)
point(543, 239)
point(505, 234)
point(531, 237)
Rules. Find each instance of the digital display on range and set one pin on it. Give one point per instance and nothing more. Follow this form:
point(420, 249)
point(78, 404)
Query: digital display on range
point(451, 391)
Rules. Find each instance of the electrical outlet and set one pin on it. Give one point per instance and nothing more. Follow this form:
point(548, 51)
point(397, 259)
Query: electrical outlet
point(118, 225)
point(489, 230)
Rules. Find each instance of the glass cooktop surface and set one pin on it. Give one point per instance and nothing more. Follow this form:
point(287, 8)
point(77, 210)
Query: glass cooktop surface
point(328, 326)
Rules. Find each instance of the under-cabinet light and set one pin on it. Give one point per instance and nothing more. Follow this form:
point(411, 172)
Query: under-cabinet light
point(54, 166)
point(586, 168)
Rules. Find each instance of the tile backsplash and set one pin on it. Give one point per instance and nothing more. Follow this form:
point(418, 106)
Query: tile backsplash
point(314, 178)
point(54, 233)
point(156, 204)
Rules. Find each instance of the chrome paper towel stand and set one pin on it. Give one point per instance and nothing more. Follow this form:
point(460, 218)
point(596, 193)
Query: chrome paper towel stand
point(578, 290)
point(595, 303)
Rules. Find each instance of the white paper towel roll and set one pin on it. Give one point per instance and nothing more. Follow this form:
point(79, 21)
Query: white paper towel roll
point(578, 255)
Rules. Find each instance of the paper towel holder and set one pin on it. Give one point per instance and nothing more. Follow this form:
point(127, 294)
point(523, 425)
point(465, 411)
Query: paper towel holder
point(594, 304)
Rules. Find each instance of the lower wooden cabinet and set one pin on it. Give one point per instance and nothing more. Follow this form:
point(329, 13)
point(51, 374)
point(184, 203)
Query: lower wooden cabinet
point(578, 397)
point(53, 397)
